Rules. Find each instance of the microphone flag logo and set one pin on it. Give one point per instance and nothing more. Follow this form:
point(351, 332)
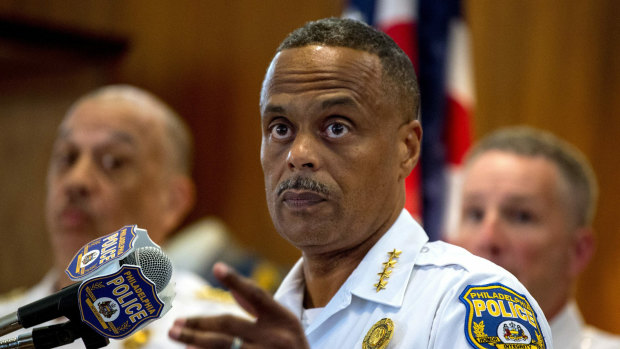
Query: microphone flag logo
point(118, 304)
point(101, 251)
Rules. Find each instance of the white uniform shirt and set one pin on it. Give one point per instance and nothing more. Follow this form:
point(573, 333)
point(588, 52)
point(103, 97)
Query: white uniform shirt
point(570, 332)
point(193, 297)
point(422, 298)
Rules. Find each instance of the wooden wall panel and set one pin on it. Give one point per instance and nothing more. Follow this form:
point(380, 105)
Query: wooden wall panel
point(31, 107)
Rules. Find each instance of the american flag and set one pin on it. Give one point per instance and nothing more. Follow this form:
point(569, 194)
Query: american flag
point(435, 36)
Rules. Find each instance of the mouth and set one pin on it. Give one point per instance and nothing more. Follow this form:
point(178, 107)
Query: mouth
point(72, 217)
point(300, 200)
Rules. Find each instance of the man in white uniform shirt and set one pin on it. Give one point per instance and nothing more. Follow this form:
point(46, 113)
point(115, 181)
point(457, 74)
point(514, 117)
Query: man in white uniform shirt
point(528, 203)
point(121, 157)
point(340, 134)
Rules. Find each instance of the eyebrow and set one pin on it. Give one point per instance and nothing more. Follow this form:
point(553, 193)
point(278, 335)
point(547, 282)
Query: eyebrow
point(336, 101)
point(326, 104)
point(276, 109)
point(510, 200)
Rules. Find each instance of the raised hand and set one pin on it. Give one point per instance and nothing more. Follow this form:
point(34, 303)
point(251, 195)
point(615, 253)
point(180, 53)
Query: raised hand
point(273, 325)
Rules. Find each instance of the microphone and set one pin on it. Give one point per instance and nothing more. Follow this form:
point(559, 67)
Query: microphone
point(92, 297)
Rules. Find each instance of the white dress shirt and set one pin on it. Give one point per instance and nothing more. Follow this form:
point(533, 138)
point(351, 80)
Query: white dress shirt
point(422, 298)
point(570, 331)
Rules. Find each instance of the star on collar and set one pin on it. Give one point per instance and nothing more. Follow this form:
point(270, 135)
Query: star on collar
point(387, 266)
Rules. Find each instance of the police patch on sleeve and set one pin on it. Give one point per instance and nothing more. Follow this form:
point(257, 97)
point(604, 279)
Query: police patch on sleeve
point(498, 317)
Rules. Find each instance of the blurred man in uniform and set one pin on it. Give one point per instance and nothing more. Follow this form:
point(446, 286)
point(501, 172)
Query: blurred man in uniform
point(121, 157)
point(528, 203)
point(340, 134)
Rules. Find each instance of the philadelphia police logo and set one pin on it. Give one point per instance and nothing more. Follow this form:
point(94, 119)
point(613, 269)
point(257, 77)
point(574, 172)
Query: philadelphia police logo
point(100, 252)
point(498, 317)
point(89, 258)
point(107, 308)
point(513, 332)
point(118, 304)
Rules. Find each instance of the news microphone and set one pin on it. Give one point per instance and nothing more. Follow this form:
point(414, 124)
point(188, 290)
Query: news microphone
point(151, 261)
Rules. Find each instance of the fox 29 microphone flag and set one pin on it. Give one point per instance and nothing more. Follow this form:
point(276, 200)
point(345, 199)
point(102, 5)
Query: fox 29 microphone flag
point(434, 35)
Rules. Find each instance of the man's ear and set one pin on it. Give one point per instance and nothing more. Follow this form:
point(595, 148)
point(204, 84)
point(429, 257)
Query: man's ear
point(181, 198)
point(410, 136)
point(583, 250)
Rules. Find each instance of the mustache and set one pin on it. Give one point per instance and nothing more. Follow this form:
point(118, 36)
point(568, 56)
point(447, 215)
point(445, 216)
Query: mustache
point(303, 183)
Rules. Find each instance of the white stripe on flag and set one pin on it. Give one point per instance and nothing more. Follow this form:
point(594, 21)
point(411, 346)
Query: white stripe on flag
point(389, 12)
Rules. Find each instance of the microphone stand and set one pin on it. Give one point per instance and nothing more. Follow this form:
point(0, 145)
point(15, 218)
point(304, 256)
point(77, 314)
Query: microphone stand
point(53, 336)
point(9, 323)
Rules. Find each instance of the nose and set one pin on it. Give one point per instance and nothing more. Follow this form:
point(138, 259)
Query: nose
point(80, 178)
point(490, 240)
point(303, 153)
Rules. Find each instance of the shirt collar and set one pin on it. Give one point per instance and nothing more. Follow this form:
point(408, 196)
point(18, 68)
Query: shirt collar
point(405, 236)
point(567, 322)
point(291, 291)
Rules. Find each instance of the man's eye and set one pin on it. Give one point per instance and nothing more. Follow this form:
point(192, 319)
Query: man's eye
point(520, 216)
point(473, 215)
point(280, 131)
point(110, 162)
point(65, 159)
point(336, 130)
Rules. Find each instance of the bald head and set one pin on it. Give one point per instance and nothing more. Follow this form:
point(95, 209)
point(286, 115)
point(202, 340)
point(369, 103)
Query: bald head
point(178, 137)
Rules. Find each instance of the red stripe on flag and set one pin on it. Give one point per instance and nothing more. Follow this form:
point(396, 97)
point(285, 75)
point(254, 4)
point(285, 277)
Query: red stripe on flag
point(404, 34)
point(413, 193)
point(458, 132)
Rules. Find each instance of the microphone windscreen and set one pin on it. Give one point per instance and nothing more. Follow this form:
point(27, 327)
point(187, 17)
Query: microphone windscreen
point(154, 263)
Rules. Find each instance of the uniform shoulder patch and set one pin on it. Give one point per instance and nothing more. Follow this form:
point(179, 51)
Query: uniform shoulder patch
point(499, 317)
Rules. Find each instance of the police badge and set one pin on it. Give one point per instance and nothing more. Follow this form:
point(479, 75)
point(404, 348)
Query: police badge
point(379, 334)
point(498, 317)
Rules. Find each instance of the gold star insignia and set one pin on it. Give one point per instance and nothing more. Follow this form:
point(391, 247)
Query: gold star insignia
point(380, 285)
point(395, 253)
point(390, 263)
point(385, 273)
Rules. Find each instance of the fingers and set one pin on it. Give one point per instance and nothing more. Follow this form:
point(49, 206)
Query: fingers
point(274, 327)
point(212, 332)
point(252, 298)
point(200, 339)
point(223, 323)
point(219, 331)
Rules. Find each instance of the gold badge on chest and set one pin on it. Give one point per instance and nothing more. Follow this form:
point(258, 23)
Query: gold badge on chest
point(379, 335)
point(387, 269)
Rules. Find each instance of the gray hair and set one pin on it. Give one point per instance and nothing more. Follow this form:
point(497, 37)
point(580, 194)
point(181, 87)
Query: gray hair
point(572, 165)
